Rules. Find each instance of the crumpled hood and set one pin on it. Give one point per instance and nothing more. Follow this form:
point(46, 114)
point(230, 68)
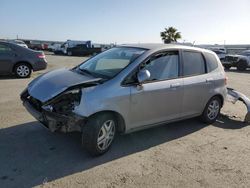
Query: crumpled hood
point(55, 82)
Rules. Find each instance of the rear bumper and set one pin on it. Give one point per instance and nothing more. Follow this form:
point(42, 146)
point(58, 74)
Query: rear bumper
point(233, 96)
point(55, 122)
point(40, 65)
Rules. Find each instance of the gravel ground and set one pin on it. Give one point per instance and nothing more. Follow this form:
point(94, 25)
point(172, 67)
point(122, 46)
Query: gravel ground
point(183, 154)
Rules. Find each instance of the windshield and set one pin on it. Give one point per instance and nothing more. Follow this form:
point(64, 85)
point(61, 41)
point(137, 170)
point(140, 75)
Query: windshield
point(111, 62)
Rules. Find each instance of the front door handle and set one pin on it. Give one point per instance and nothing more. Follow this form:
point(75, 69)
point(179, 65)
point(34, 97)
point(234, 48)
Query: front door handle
point(176, 85)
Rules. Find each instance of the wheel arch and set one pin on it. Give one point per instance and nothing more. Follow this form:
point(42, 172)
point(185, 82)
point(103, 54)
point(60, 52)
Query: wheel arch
point(119, 118)
point(19, 62)
point(220, 97)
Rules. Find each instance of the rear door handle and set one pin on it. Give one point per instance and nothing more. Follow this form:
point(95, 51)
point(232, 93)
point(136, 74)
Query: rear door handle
point(176, 85)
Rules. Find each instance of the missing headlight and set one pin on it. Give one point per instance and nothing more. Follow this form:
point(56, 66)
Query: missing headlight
point(65, 103)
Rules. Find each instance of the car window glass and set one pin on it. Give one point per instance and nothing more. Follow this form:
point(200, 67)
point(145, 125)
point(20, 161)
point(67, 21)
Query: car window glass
point(211, 61)
point(107, 64)
point(163, 66)
point(4, 49)
point(111, 62)
point(193, 63)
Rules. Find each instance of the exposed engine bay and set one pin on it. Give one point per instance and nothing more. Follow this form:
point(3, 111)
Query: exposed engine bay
point(56, 114)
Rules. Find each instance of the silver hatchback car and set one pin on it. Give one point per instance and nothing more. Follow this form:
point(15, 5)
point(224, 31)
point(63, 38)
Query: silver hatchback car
point(128, 88)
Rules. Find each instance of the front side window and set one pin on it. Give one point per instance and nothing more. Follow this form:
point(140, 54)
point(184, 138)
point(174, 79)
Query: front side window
point(193, 63)
point(111, 62)
point(163, 66)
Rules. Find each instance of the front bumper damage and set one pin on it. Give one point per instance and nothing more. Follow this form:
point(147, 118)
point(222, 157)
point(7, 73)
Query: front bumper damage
point(51, 120)
point(234, 96)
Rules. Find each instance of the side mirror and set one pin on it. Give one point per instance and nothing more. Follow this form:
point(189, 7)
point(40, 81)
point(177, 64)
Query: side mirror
point(143, 75)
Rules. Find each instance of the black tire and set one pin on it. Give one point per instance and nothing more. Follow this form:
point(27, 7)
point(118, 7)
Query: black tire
point(227, 67)
point(92, 131)
point(242, 65)
point(27, 68)
point(205, 115)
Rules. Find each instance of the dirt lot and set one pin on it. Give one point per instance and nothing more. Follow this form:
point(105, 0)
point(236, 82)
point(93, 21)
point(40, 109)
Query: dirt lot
point(184, 154)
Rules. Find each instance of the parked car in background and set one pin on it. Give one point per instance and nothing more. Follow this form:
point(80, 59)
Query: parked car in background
point(19, 42)
point(45, 46)
point(240, 61)
point(222, 49)
point(53, 46)
point(83, 50)
point(20, 61)
point(63, 49)
point(220, 53)
point(36, 45)
point(128, 88)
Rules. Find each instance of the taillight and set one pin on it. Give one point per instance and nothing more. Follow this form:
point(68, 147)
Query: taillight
point(41, 56)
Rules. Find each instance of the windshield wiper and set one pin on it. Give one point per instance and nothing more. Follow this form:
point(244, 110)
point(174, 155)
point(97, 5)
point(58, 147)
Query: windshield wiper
point(94, 74)
point(88, 72)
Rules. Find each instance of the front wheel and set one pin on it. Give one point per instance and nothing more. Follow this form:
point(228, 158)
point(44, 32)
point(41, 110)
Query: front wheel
point(98, 134)
point(212, 110)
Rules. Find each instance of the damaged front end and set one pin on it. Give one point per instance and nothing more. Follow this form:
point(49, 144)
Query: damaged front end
point(233, 96)
point(56, 114)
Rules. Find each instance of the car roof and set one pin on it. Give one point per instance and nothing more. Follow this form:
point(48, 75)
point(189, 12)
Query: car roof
point(155, 46)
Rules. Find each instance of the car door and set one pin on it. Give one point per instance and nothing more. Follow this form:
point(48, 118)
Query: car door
point(160, 98)
point(7, 57)
point(196, 83)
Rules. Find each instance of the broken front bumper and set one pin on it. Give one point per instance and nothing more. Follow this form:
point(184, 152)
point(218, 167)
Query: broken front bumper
point(233, 96)
point(54, 121)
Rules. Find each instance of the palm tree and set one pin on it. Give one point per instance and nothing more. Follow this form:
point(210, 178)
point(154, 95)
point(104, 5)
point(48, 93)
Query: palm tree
point(170, 35)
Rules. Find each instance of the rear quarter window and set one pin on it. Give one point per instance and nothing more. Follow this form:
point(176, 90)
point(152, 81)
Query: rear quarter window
point(212, 62)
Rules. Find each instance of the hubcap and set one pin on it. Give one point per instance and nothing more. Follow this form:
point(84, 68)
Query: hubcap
point(106, 134)
point(23, 70)
point(213, 109)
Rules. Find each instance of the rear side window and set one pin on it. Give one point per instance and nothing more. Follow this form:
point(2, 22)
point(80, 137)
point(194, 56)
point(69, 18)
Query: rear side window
point(212, 62)
point(4, 49)
point(193, 63)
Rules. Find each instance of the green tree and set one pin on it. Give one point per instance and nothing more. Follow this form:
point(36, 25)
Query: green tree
point(170, 34)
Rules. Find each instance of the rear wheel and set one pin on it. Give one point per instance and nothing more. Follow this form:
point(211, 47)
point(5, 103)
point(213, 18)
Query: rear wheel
point(212, 110)
point(22, 70)
point(99, 133)
point(242, 65)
